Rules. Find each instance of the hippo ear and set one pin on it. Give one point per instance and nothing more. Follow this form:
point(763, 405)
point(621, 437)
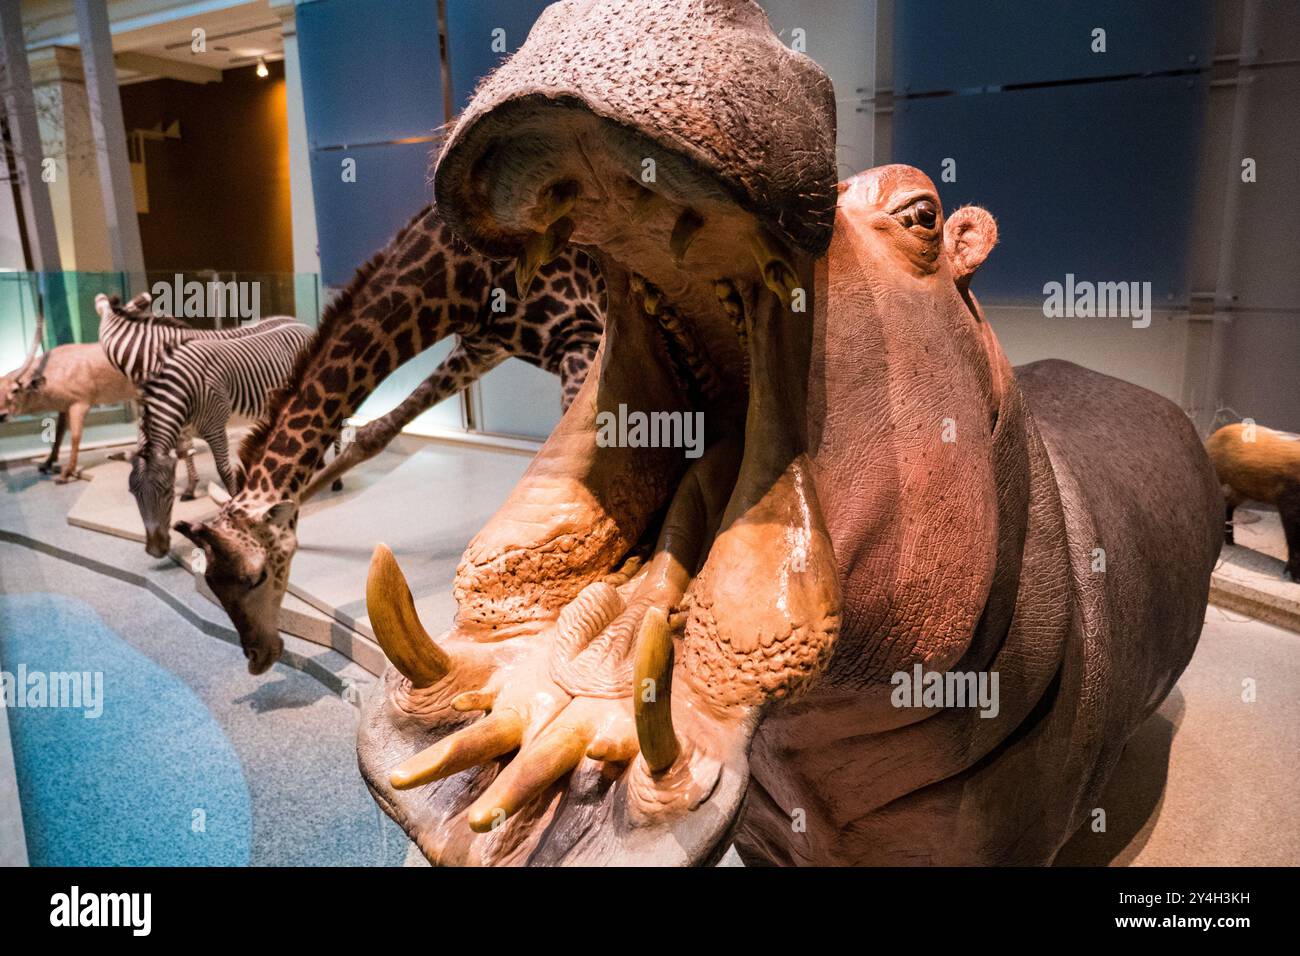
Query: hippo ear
point(969, 235)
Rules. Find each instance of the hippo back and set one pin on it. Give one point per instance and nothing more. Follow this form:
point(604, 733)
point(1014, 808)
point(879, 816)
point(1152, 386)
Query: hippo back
point(1144, 518)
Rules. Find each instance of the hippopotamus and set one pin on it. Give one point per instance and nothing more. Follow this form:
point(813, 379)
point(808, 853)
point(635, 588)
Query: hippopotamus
point(775, 644)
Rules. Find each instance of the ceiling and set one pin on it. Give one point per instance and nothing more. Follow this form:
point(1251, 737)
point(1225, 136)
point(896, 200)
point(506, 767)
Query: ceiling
point(155, 39)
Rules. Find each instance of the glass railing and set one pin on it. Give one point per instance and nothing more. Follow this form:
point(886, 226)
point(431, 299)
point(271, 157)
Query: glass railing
point(515, 399)
point(204, 299)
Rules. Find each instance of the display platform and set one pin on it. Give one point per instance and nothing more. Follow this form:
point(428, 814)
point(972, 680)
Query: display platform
point(1155, 802)
point(1249, 579)
point(425, 499)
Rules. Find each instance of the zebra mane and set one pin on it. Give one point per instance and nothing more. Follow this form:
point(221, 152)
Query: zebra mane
point(339, 311)
point(145, 439)
point(132, 312)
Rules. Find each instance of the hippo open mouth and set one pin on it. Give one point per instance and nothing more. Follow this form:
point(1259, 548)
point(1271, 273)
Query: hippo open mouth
point(629, 615)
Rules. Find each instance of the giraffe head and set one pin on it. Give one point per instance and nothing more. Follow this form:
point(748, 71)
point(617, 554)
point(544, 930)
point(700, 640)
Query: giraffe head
point(247, 549)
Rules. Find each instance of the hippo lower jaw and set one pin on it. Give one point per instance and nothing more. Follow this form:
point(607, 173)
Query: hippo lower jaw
point(628, 615)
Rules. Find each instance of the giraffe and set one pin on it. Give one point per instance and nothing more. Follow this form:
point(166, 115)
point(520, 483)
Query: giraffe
point(422, 287)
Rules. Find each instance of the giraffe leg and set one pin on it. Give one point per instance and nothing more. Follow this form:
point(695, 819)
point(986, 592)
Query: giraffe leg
point(461, 367)
point(337, 484)
point(52, 462)
point(574, 369)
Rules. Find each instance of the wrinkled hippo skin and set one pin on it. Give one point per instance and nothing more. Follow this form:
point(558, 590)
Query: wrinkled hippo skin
point(880, 492)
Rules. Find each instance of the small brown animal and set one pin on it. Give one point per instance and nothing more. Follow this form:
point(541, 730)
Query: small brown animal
point(67, 379)
point(1260, 464)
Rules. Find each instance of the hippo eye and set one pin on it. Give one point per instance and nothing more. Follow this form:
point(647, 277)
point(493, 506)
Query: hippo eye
point(922, 212)
point(926, 214)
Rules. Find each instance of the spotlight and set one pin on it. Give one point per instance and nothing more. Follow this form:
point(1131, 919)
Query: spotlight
point(262, 71)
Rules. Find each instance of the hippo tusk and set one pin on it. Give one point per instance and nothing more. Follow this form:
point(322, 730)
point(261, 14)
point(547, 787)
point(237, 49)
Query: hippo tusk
point(685, 231)
point(539, 249)
point(654, 716)
point(397, 626)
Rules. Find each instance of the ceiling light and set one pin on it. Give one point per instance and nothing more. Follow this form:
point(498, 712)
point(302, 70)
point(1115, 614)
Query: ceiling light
point(262, 71)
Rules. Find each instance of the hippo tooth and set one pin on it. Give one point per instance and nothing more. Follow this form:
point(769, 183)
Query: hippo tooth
point(557, 200)
point(484, 740)
point(654, 717)
point(396, 625)
point(551, 755)
point(539, 249)
point(729, 296)
point(653, 298)
point(774, 265)
point(685, 231)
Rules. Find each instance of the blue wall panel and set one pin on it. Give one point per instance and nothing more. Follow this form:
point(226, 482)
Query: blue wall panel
point(371, 78)
point(470, 35)
point(1095, 179)
point(957, 44)
point(370, 70)
point(356, 220)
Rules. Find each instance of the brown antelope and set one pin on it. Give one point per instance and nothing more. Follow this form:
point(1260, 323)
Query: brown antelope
point(1255, 463)
point(68, 379)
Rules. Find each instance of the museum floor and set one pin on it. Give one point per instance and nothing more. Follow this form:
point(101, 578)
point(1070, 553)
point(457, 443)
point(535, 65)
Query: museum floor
point(270, 761)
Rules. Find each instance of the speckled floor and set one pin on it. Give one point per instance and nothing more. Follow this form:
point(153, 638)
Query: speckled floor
point(1208, 780)
point(270, 760)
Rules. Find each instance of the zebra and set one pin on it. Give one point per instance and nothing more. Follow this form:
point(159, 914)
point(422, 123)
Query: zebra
point(136, 341)
point(199, 385)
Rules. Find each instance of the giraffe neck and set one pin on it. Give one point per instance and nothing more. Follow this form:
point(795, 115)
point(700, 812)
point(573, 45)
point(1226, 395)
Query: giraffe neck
point(423, 286)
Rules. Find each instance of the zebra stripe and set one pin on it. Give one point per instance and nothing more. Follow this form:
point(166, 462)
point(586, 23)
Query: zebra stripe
point(136, 341)
point(201, 383)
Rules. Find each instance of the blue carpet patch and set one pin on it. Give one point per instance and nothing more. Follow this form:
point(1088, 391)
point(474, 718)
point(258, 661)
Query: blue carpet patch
point(151, 781)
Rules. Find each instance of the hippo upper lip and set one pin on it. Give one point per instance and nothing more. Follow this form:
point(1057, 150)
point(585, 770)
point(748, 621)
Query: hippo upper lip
point(719, 114)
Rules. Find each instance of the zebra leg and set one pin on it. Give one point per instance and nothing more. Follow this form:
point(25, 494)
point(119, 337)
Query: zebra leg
point(461, 367)
point(52, 462)
point(217, 440)
point(186, 451)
